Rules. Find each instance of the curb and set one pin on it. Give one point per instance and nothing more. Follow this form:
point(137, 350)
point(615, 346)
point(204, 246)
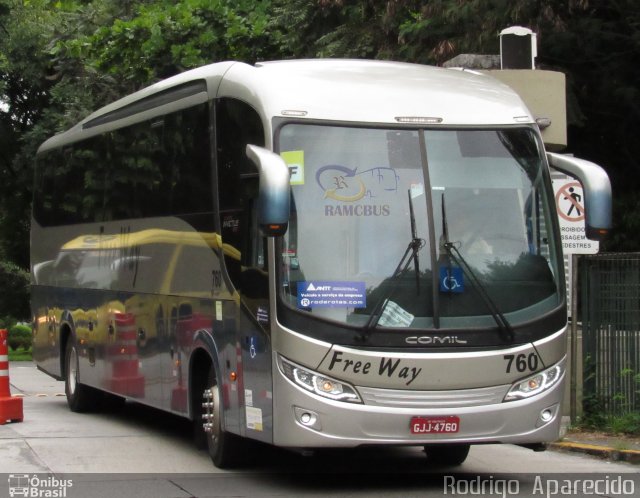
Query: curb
point(629, 456)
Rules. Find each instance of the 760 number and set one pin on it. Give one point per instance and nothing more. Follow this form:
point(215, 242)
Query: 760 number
point(522, 362)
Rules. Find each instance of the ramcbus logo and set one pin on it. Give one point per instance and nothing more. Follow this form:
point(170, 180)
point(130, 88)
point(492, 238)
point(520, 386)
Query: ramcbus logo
point(357, 210)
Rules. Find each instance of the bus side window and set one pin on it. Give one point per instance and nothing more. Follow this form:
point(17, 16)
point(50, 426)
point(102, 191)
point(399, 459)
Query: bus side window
point(237, 179)
point(160, 167)
point(67, 191)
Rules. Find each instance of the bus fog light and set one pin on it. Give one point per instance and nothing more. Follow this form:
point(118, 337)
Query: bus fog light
point(537, 383)
point(308, 418)
point(318, 383)
point(547, 415)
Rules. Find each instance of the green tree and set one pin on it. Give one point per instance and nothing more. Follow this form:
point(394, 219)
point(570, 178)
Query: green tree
point(60, 60)
point(14, 292)
point(341, 28)
point(157, 39)
point(24, 32)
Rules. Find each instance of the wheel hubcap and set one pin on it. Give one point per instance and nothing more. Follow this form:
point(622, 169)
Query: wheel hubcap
point(210, 407)
point(72, 369)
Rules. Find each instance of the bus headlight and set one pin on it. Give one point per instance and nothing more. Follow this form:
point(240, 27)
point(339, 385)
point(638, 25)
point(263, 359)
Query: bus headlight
point(318, 383)
point(537, 383)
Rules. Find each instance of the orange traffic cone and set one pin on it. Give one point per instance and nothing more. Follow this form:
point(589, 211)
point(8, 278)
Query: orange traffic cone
point(10, 407)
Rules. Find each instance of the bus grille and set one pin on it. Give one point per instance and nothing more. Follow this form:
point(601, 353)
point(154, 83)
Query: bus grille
point(433, 399)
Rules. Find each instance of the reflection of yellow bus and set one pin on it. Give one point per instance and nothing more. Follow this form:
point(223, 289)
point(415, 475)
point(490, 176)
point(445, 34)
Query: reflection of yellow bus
point(114, 261)
point(152, 262)
point(156, 294)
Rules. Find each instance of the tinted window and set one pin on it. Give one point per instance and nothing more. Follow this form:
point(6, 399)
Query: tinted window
point(155, 168)
point(238, 125)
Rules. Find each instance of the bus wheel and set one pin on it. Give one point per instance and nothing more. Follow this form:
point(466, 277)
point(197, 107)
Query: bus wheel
point(224, 447)
point(80, 397)
point(447, 454)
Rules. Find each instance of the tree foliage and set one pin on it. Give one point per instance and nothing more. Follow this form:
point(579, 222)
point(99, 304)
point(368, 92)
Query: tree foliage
point(24, 33)
point(14, 291)
point(596, 43)
point(157, 39)
point(61, 60)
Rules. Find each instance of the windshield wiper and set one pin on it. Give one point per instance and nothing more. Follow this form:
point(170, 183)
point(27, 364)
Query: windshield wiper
point(454, 254)
point(414, 246)
point(410, 254)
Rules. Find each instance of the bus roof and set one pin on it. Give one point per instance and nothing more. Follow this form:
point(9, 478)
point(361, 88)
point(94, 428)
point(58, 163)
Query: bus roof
point(358, 91)
point(375, 92)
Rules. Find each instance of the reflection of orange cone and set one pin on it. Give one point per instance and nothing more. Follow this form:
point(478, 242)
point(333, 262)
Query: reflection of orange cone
point(125, 377)
point(179, 393)
point(10, 407)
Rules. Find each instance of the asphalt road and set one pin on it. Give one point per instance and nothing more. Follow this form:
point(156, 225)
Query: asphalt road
point(141, 452)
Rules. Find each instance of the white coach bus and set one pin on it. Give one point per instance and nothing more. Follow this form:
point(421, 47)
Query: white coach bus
point(323, 253)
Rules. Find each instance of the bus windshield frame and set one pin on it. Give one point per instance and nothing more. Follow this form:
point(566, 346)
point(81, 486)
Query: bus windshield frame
point(475, 204)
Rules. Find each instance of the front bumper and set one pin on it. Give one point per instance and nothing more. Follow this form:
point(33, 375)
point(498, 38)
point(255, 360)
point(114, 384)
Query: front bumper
point(305, 420)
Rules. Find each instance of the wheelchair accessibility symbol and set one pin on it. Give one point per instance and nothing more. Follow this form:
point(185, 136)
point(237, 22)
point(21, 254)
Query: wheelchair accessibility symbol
point(450, 283)
point(451, 279)
point(252, 347)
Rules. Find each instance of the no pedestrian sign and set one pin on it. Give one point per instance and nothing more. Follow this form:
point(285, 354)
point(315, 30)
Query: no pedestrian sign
point(569, 197)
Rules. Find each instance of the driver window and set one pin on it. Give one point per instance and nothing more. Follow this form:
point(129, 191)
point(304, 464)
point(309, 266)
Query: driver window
point(238, 125)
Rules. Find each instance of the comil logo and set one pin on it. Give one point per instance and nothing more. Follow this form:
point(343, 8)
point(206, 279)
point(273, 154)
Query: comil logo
point(38, 487)
point(427, 340)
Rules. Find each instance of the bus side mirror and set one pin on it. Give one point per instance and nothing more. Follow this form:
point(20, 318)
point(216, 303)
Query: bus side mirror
point(597, 192)
point(274, 195)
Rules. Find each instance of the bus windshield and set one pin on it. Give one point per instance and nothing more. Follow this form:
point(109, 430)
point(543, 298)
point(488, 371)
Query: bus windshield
point(418, 229)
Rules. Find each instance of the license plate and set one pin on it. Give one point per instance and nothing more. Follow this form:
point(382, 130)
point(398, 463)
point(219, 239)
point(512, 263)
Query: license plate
point(435, 425)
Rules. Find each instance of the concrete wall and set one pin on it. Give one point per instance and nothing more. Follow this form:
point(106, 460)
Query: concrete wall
point(544, 92)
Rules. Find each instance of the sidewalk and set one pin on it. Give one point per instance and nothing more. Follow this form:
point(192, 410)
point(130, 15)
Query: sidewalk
point(606, 446)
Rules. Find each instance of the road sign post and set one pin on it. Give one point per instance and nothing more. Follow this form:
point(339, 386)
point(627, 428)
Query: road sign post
point(569, 197)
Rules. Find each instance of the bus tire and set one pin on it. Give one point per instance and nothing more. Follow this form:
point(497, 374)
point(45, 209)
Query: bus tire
point(80, 397)
point(447, 454)
point(224, 448)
